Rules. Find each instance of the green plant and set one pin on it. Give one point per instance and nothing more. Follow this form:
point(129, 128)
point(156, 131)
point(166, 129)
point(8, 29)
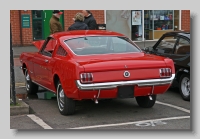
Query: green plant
point(17, 104)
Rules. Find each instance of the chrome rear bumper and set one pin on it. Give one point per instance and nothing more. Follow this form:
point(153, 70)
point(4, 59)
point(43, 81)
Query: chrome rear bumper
point(110, 85)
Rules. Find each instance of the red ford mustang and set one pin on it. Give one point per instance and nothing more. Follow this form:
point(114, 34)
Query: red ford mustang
point(88, 64)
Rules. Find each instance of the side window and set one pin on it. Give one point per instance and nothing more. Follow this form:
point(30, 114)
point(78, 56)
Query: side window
point(166, 45)
point(49, 48)
point(183, 47)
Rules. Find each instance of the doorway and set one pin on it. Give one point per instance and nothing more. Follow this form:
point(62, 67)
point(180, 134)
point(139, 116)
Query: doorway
point(40, 23)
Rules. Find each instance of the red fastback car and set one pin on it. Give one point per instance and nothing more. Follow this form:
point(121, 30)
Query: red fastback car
point(95, 64)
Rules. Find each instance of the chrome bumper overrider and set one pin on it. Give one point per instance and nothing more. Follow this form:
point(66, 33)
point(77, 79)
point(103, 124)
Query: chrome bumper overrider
point(110, 85)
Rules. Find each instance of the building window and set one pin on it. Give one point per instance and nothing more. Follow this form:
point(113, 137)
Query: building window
point(157, 22)
point(162, 19)
point(142, 25)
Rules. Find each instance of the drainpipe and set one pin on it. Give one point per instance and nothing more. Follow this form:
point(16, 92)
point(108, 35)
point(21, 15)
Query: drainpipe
point(20, 25)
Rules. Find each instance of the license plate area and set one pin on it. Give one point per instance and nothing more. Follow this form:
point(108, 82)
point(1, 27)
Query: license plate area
point(125, 91)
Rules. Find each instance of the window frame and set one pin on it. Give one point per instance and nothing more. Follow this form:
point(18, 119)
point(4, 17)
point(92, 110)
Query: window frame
point(160, 41)
point(47, 53)
point(181, 37)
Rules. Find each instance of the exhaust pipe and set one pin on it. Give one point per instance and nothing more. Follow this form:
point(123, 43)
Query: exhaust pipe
point(96, 101)
point(150, 97)
point(96, 98)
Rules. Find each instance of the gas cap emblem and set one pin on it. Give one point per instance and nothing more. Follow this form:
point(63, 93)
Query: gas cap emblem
point(126, 74)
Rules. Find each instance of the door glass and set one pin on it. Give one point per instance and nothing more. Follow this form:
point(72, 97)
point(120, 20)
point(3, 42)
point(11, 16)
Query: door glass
point(37, 14)
point(37, 24)
point(166, 45)
point(183, 47)
point(37, 29)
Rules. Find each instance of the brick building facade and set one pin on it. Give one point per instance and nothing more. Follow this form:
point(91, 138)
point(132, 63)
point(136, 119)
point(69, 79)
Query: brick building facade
point(185, 19)
point(24, 36)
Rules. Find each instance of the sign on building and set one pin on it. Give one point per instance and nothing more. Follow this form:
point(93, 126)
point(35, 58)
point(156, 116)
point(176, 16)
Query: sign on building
point(25, 21)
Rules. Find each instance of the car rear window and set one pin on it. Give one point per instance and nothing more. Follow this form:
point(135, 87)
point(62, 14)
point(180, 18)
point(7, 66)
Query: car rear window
point(101, 45)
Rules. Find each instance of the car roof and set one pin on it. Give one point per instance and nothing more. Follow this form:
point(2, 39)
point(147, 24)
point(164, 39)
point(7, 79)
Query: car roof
point(177, 32)
point(81, 33)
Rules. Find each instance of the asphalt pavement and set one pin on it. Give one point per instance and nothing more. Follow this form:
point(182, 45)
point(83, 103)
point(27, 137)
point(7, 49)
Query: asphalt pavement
point(169, 113)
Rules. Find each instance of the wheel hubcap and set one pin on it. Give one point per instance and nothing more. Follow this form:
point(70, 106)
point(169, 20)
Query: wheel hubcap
point(60, 97)
point(27, 80)
point(185, 86)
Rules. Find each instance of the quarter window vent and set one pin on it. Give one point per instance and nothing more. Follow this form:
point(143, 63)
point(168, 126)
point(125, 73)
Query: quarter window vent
point(61, 51)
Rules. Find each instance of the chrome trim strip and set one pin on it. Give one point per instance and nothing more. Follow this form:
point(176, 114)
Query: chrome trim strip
point(43, 86)
point(110, 85)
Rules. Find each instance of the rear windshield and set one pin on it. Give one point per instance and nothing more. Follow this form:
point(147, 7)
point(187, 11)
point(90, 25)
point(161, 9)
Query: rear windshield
point(101, 45)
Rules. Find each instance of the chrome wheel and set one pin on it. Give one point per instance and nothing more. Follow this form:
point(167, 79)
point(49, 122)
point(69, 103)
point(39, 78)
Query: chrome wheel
point(66, 105)
point(31, 88)
point(27, 80)
point(60, 97)
point(185, 86)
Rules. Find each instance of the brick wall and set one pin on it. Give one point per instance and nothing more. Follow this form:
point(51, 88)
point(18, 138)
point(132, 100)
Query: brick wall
point(69, 14)
point(15, 27)
point(24, 38)
point(27, 35)
point(185, 20)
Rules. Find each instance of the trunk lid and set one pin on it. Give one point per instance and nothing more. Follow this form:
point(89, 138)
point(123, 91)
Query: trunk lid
point(112, 67)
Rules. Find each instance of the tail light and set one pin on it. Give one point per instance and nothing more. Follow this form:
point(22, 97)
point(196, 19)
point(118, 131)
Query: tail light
point(86, 77)
point(165, 72)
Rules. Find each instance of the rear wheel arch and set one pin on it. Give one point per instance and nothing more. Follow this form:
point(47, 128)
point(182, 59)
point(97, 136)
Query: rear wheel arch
point(179, 73)
point(56, 79)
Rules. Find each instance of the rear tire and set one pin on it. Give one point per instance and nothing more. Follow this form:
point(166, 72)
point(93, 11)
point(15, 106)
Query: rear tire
point(31, 88)
point(145, 102)
point(184, 87)
point(66, 105)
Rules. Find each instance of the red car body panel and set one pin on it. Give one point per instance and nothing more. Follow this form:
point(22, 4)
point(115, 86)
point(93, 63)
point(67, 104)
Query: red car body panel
point(105, 68)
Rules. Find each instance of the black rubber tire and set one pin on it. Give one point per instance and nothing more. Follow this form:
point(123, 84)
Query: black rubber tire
point(68, 107)
point(184, 96)
point(145, 102)
point(31, 88)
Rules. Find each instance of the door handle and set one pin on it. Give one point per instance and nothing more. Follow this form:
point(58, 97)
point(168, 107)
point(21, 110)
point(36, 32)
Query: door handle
point(46, 60)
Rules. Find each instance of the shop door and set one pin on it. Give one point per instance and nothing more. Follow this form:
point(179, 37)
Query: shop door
point(40, 23)
point(47, 14)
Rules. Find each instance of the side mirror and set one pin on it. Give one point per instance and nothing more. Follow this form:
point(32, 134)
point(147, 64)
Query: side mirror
point(146, 49)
